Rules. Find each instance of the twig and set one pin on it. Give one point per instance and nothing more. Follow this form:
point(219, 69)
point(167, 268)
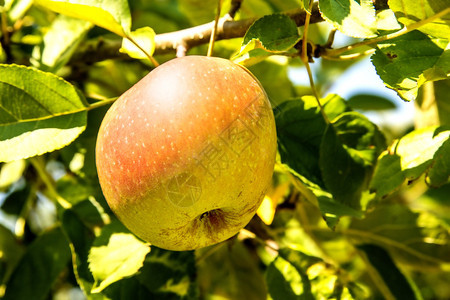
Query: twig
point(304, 57)
point(101, 49)
point(39, 166)
point(214, 30)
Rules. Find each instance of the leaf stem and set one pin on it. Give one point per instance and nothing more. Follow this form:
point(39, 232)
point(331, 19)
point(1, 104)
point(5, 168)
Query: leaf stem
point(38, 164)
point(349, 56)
point(214, 29)
point(404, 30)
point(305, 59)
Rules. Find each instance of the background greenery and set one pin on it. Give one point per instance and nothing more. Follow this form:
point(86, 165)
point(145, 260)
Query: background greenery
point(357, 210)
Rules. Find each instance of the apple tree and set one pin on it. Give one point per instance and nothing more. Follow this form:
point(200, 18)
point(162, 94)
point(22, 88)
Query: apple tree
point(356, 207)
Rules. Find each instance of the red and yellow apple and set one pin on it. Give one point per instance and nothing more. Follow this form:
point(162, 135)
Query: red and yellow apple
point(185, 156)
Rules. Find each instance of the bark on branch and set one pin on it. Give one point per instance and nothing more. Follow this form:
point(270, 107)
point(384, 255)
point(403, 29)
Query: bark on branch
point(94, 51)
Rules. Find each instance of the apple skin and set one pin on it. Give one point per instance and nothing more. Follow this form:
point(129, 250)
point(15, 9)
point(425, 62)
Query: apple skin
point(185, 156)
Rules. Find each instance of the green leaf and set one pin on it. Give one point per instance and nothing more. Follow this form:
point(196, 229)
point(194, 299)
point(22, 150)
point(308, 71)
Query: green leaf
point(370, 102)
point(355, 18)
point(176, 274)
point(411, 11)
point(410, 157)
point(16, 9)
point(273, 75)
point(11, 172)
point(11, 251)
point(47, 113)
point(436, 202)
point(60, 41)
point(348, 152)
point(275, 33)
point(300, 128)
point(115, 255)
point(391, 276)
point(406, 62)
point(81, 239)
point(230, 272)
point(270, 34)
point(386, 20)
point(145, 38)
point(112, 15)
point(286, 276)
point(14, 202)
point(413, 239)
point(40, 266)
point(439, 172)
point(198, 11)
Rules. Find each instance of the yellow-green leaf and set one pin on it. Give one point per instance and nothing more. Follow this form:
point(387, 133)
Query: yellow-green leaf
point(122, 256)
point(39, 112)
point(144, 38)
point(109, 14)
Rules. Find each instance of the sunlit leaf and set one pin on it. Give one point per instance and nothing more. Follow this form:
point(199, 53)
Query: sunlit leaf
point(352, 17)
point(60, 41)
point(145, 38)
point(410, 157)
point(47, 113)
point(406, 62)
point(176, 273)
point(286, 276)
point(110, 14)
point(115, 255)
point(386, 20)
point(266, 210)
point(439, 172)
point(411, 11)
point(11, 172)
point(15, 9)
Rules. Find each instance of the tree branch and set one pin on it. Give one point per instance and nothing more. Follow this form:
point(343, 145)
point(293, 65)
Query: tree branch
point(100, 49)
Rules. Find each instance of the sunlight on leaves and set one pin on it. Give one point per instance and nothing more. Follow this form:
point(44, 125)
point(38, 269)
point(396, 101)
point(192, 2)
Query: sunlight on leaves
point(270, 34)
point(351, 17)
point(48, 113)
point(122, 256)
point(409, 158)
point(60, 41)
point(145, 38)
point(406, 62)
point(110, 14)
point(11, 172)
point(412, 11)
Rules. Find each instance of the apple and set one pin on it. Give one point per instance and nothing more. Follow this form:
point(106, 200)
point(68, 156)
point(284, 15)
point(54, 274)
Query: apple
point(185, 156)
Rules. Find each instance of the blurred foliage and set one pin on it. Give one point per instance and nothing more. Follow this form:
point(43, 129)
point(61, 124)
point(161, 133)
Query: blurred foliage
point(350, 214)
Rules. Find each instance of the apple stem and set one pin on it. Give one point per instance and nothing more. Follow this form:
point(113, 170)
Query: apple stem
point(214, 29)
